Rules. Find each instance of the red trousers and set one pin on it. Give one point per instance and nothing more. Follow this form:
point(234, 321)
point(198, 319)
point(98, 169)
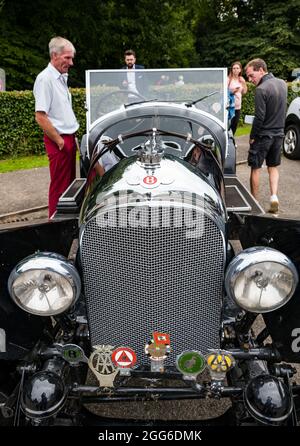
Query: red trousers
point(62, 164)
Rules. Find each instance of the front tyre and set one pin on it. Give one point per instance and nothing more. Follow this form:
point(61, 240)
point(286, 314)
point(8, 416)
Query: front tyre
point(291, 142)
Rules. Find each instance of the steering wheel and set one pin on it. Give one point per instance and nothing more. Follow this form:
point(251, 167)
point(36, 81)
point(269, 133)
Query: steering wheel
point(127, 94)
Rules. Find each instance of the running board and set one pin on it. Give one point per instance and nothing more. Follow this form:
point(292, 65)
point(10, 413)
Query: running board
point(69, 203)
point(239, 199)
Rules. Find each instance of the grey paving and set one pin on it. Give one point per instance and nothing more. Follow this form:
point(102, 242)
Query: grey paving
point(23, 189)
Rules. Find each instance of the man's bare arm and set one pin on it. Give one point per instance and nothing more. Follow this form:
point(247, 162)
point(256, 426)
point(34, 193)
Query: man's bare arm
point(46, 125)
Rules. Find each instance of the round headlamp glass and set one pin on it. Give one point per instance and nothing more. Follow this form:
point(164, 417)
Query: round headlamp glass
point(261, 279)
point(44, 284)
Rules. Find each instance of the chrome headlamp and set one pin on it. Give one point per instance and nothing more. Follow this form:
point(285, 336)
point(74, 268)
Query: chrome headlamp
point(44, 284)
point(261, 279)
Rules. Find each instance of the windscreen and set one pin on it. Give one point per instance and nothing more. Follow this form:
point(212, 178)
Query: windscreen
point(108, 90)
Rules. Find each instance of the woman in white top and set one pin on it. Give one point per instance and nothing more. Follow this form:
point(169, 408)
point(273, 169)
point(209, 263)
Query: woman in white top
point(237, 85)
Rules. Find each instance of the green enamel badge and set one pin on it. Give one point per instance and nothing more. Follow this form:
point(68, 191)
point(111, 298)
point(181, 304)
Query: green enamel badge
point(190, 363)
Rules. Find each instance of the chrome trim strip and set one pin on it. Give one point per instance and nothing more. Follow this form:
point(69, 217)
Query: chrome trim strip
point(2, 341)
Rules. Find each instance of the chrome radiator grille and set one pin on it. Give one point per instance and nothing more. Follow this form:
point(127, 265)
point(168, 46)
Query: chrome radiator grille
point(143, 279)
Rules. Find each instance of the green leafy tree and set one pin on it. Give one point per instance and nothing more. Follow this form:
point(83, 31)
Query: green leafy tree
point(178, 33)
point(161, 32)
point(230, 30)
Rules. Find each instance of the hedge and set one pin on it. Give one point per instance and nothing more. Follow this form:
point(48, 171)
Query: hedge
point(20, 134)
point(248, 100)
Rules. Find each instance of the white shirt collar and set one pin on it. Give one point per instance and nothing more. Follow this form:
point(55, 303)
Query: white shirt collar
point(56, 73)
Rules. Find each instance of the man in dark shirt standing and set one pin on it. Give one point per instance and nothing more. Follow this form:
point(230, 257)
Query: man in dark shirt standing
point(268, 127)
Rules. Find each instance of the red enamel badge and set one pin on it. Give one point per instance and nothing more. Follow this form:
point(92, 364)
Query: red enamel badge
point(124, 357)
point(150, 180)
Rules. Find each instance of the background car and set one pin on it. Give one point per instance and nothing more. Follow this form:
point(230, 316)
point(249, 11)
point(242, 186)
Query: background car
point(291, 143)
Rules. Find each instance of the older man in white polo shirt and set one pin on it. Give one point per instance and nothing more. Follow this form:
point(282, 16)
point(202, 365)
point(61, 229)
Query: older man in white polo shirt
point(54, 114)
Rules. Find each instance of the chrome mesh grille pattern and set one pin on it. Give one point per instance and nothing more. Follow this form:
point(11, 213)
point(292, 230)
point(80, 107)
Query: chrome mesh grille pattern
point(143, 279)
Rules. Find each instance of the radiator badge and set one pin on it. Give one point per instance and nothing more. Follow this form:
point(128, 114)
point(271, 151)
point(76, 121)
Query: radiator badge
point(124, 358)
point(72, 353)
point(219, 363)
point(150, 181)
point(158, 349)
point(161, 338)
point(101, 365)
point(190, 364)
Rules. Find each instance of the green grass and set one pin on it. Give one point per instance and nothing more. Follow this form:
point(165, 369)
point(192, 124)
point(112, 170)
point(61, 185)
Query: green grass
point(245, 129)
point(30, 162)
point(25, 162)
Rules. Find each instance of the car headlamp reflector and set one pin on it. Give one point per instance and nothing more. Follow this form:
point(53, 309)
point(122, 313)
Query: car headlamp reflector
point(45, 284)
point(261, 279)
